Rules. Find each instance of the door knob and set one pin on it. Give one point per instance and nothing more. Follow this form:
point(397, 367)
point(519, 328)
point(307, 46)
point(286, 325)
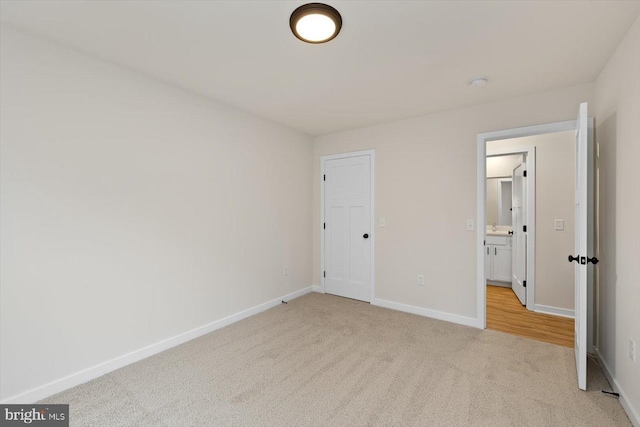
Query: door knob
point(593, 260)
point(574, 258)
point(366, 236)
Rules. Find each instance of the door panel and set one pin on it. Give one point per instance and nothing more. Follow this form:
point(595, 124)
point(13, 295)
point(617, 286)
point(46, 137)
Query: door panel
point(347, 201)
point(519, 249)
point(581, 245)
point(337, 239)
point(359, 248)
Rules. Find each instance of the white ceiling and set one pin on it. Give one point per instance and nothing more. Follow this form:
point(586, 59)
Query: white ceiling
point(392, 60)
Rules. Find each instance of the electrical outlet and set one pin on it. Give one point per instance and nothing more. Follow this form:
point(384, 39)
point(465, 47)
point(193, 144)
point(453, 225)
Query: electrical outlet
point(559, 225)
point(285, 270)
point(420, 279)
point(632, 349)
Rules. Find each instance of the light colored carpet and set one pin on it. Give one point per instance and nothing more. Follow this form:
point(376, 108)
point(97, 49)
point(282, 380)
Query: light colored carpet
point(327, 361)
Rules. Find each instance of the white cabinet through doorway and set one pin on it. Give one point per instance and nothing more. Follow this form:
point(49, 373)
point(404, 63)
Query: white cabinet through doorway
point(498, 258)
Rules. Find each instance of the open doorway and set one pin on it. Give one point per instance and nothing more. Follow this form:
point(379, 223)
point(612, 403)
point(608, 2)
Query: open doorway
point(582, 130)
point(510, 247)
point(528, 253)
point(528, 234)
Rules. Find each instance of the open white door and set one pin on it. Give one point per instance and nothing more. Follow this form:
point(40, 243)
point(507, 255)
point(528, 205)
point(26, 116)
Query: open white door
point(581, 245)
point(519, 247)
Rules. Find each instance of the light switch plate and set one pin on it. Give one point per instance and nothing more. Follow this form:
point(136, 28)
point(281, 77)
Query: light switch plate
point(470, 225)
point(383, 222)
point(559, 225)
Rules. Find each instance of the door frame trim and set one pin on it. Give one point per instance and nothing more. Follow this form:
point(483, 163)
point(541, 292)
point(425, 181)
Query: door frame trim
point(372, 234)
point(481, 202)
point(530, 151)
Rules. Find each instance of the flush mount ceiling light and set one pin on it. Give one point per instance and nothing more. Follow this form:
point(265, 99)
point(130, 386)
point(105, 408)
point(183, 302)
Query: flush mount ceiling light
point(478, 82)
point(315, 23)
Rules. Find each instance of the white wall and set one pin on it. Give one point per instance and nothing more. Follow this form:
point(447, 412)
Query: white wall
point(501, 166)
point(618, 289)
point(555, 199)
point(133, 211)
point(426, 189)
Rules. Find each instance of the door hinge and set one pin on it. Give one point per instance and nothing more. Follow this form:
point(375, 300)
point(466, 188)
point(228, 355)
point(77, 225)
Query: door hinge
point(324, 274)
point(524, 174)
point(484, 242)
point(324, 225)
point(524, 283)
point(524, 228)
point(324, 177)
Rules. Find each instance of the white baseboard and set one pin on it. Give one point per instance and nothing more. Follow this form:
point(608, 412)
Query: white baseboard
point(632, 413)
point(53, 387)
point(454, 318)
point(497, 283)
point(547, 309)
point(316, 288)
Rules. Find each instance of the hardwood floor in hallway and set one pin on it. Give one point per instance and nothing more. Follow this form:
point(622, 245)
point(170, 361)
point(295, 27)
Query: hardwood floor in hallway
point(506, 314)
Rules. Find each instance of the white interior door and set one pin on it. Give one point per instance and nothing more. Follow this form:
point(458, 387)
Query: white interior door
point(519, 249)
point(347, 227)
point(581, 245)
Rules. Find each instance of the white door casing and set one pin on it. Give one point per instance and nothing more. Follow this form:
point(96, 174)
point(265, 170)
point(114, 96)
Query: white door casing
point(348, 226)
point(519, 250)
